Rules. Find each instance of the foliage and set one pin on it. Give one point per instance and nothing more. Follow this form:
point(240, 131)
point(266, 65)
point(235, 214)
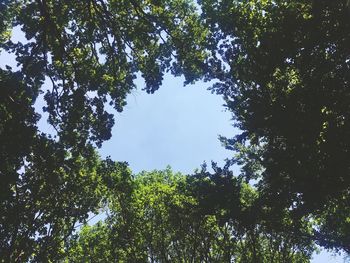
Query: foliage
point(7, 9)
point(91, 51)
point(283, 68)
point(45, 189)
point(77, 57)
point(165, 218)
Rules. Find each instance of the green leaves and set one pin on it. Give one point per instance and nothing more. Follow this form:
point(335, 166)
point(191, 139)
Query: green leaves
point(283, 69)
point(91, 52)
point(287, 84)
point(88, 54)
point(166, 218)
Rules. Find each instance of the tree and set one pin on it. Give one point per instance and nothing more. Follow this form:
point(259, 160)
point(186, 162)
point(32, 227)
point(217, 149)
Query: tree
point(283, 68)
point(4, 23)
point(42, 201)
point(250, 230)
point(89, 52)
point(91, 245)
point(161, 216)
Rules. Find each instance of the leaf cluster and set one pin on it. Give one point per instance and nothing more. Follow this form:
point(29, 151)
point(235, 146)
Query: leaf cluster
point(283, 69)
point(169, 217)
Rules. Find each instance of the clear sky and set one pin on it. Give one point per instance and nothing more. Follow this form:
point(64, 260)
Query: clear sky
point(176, 126)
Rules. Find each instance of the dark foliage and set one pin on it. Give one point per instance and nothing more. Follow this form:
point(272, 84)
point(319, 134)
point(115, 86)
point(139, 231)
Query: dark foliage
point(286, 82)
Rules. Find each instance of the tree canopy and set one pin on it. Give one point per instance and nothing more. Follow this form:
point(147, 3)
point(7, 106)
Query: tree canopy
point(78, 56)
point(160, 216)
point(91, 51)
point(283, 68)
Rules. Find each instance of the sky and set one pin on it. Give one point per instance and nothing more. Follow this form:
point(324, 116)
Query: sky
point(177, 126)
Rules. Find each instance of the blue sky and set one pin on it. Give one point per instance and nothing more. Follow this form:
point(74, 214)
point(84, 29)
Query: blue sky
point(176, 126)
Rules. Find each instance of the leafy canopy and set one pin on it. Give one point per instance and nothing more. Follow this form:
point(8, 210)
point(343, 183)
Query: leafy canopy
point(161, 216)
point(283, 68)
point(78, 56)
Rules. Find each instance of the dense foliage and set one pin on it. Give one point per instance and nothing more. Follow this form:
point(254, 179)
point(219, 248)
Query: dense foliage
point(165, 217)
point(77, 56)
point(91, 51)
point(283, 68)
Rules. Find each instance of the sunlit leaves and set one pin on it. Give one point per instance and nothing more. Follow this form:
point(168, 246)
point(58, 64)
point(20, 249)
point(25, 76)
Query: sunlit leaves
point(165, 218)
point(92, 51)
point(81, 56)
